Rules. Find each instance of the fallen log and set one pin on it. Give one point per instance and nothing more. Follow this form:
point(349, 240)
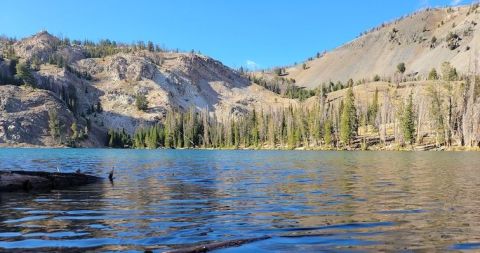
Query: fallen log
point(425, 147)
point(218, 245)
point(15, 181)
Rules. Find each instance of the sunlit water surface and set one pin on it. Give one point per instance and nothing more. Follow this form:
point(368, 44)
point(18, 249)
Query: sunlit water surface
point(306, 201)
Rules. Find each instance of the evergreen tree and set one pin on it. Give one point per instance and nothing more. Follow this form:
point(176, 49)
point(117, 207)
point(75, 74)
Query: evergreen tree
point(339, 86)
point(236, 134)
point(449, 73)
point(74, 129)
point(348, 120)
point(436, 112)
point(152, 138)
point(24, 73)
point(206, 129)
point(254, 129)
point(99, 107)
point(433, 75)
point(111, 138)
point(54, 125)
point(408, 122)
point(350, 83)
point(118, 139)
point(373, 109)
point(150, 46)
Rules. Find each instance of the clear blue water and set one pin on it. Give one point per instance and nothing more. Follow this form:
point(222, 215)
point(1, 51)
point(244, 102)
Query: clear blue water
point(306, 201)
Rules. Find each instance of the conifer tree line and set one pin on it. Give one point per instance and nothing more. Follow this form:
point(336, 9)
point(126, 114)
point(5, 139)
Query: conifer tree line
point(447, 113)
point(59, 132)
point(323, 125)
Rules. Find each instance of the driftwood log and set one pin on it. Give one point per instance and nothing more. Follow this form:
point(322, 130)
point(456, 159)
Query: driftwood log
point(15, 181)
point(236, 243)
point(217, 245)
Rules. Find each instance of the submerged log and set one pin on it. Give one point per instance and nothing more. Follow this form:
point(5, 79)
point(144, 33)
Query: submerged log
point(218, 245)
point(14, 181)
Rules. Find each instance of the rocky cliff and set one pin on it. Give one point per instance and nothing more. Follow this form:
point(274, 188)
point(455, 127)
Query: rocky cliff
point(102, 90)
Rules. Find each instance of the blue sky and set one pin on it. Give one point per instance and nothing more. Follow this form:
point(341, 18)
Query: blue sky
point(237, 32)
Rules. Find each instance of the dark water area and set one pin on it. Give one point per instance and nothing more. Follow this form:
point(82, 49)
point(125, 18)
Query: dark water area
point(305, 201)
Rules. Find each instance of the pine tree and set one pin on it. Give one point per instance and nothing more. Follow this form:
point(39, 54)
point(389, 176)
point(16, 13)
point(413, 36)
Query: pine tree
point(236, 134)
point(433, 75)
point(24, 73)
point(150, 46)
point(254, 129)
point(408, 122)
point(99, 107)
point(373, 109)
point(271, 132)
point(54, 125)
point(206, 129)
point(436, 112)
point(152, 139)
point(348, 119)
point(350, 83)
point(449, 73)
point(168, 131)
point(74, 129)
point(111, 139)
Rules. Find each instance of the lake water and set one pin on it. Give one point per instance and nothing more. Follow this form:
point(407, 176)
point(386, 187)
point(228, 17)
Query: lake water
point(305, 201)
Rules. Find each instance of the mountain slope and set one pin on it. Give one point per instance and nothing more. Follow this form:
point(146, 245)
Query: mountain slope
point(24, 117)
point(421, 41)
point(99, 83)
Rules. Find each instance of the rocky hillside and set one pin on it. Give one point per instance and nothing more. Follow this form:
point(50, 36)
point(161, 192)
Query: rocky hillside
point(422, 41)
point(24, 116)
point(101, 90)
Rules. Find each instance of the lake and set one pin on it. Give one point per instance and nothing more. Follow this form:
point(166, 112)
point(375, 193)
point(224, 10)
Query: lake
point(304, 201)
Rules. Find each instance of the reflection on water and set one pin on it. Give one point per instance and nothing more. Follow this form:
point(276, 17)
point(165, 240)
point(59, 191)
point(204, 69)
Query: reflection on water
point(307, 201)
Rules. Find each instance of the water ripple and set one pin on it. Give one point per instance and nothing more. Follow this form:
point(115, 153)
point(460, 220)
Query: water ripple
point(305, 201)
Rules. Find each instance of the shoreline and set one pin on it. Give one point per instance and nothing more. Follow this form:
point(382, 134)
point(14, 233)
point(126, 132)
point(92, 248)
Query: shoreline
point(373, 148)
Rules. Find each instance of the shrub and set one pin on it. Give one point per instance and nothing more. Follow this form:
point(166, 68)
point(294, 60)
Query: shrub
point(433, 75)
point(449, 73)
point(99, 107)
point(433, 42)
point(24, 73)
point(350, 83)
point(141, 102)
point(453, 41)
point(401, 67)
point(279, 71)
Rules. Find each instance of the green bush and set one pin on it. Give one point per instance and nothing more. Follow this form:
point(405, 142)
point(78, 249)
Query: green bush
point(401, 67)
point(141, 102)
